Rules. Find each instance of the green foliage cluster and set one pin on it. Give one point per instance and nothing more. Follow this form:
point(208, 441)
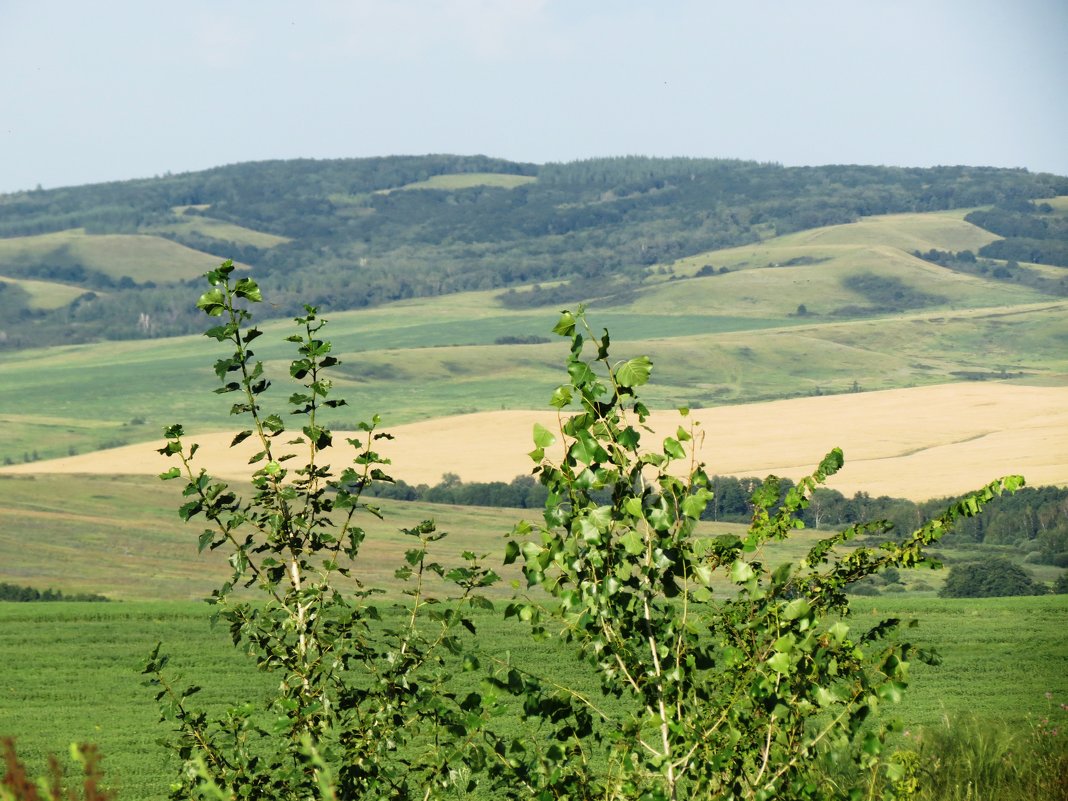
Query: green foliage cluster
point(13, 592)
point(735, 696)
point(989, 578)
point(1032, 232)
point(966, 262)
point(354, 244)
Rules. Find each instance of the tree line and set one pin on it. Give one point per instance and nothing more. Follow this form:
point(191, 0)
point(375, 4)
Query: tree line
point(13, 592)
point(1034, 519)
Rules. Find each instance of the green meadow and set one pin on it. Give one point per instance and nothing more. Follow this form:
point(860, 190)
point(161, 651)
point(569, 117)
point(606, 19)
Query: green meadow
point(469, 180)
point(139, 256)
point(71, 672)
point(184, 223)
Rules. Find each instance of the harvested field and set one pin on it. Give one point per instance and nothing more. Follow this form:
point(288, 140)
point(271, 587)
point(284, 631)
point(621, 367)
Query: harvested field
point(914, 443)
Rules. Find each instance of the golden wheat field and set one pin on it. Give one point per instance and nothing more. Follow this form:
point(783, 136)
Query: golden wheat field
point(914, 443)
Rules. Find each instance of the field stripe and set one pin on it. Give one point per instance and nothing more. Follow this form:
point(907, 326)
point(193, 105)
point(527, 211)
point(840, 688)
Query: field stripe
point(916, 443)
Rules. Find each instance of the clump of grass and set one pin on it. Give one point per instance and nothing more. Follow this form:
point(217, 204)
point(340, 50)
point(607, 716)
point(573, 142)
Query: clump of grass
point(972, 759)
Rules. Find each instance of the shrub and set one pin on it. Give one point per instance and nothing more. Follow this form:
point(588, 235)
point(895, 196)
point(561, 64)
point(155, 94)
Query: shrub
point(995, 576)
point(715, 694)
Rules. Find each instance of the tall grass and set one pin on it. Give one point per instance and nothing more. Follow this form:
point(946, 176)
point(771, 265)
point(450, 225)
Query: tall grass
point(966, 758)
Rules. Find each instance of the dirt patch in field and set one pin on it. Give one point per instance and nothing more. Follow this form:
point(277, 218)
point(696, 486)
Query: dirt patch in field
point(914, 443)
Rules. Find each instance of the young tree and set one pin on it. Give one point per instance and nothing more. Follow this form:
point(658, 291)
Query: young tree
point(726, 675)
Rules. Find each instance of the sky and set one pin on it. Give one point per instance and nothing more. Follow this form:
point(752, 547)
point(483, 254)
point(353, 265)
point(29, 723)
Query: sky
point(118, 89)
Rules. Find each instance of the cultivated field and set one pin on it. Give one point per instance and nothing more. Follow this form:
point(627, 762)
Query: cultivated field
point(913, 443)
point(77, 666)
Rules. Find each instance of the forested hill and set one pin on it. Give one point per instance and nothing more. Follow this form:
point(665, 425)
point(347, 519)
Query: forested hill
point(123, 260)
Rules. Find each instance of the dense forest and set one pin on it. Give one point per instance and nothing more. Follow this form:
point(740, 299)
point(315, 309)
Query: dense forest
point(343, 235)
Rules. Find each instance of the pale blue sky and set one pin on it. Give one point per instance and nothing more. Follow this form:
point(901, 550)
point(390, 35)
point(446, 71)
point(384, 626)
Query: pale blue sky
point(115, 89)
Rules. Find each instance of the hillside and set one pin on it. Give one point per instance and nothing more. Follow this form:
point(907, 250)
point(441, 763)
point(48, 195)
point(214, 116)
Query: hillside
point(356, 233)
point(838, 309)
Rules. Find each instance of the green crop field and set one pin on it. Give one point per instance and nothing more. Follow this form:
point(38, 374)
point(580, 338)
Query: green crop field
point(70, 672)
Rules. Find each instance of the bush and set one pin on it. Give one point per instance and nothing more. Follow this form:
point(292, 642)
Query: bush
point(993, 577)
point(728, 695)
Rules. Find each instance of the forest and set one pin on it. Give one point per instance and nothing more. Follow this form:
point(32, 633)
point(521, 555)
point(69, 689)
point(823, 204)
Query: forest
point(352, 233)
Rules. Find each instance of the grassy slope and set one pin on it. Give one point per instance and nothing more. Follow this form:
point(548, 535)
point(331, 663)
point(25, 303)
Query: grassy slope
point(730, 337)
point(217, 229)
point(468, 180)
point(46, 294)
point(727, 338)
point(142, 258)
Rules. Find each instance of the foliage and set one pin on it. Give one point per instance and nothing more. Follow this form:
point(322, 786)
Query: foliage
point(727, 697)
point(16, 785)
point(362, 708)
point(992, 577)
point(1030, 233)
point(965, 261)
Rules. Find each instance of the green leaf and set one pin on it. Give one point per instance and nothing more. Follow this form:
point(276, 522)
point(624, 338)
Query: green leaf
point(694, 505)
point(212, 302)
point(632, 543)
point(241, 437)
point(565, 326)
point(741, 572)
point(561, 397)
point(543, 437)
point(248, 289)
point(780, 663)
point(674, 449)
point(634, 372)
point(797, 608)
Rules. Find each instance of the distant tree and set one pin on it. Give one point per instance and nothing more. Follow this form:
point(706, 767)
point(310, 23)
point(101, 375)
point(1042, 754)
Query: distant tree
point(802, 310)
point(1060, 586)
point(989, 578)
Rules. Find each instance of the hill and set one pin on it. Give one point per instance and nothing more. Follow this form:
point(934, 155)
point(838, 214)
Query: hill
point(342, 235)
point(782, 318)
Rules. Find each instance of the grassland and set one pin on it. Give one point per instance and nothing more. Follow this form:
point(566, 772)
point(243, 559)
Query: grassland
point(217, 229)
point(140, 257)
point(76, 666)
point(45, 294)
point(722, 339)
point(467, 180)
